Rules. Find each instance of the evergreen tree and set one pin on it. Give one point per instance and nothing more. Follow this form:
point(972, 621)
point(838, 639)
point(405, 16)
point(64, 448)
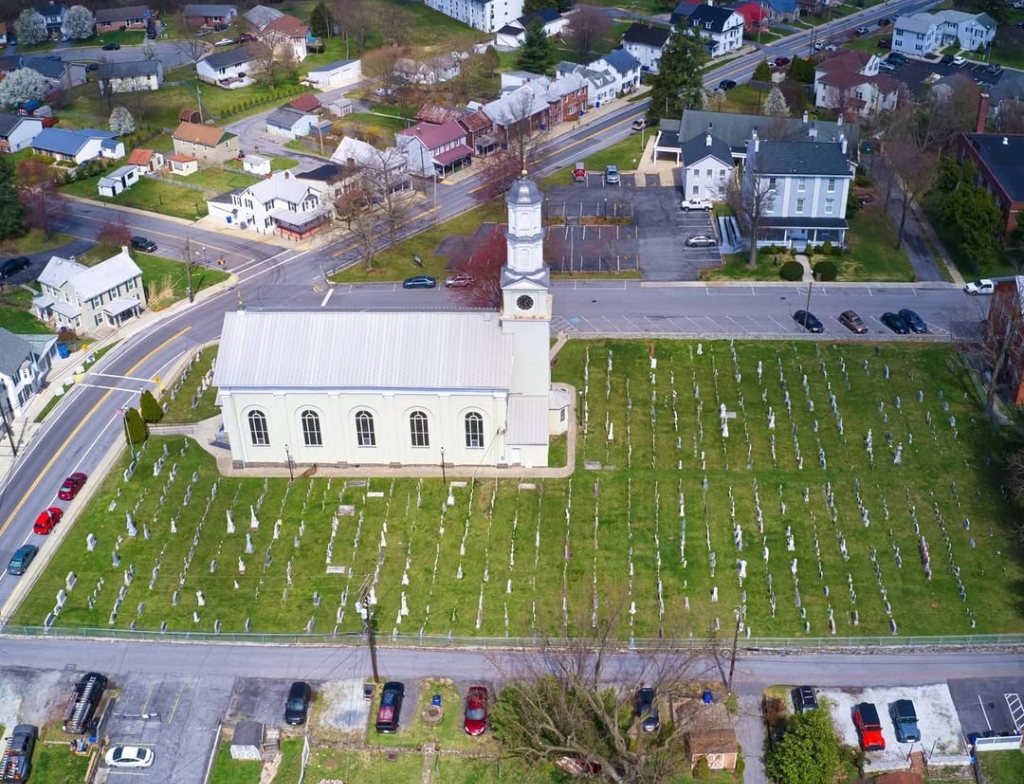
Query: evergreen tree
point(134, 428)
point(808, 752)
point(320, 21)
point(679, 81)
point(537, 53)
point(763, 72)
point(151, 409)
point(13, 222)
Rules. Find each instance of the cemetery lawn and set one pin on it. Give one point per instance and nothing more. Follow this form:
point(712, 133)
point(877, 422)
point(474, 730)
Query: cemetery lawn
point(501, 559)
point(179, 408)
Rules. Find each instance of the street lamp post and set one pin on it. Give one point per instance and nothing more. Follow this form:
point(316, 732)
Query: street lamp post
point(288, 458)
point(444, 477)
point(807, 309)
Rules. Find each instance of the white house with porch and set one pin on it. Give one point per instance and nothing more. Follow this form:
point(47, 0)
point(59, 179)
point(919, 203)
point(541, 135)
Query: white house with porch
point(281, 205)
point(83, 298)
point(25, 361)
point(467, 388)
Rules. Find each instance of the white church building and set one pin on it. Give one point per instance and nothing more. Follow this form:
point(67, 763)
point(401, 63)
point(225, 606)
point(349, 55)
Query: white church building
point(347, 388)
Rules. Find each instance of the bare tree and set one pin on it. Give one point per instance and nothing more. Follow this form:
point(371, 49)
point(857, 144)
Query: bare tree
point(358, 215)
point(38, 190)
point(750, 197)
point(191, 45)
point(1011, 116)
point(380, 65)
point(385, 176)
point(588, 25)
point(568, 705)
point(270, 62)
point(355, 18)
point(394, 24)
point(1002, 347)
point(914, 139)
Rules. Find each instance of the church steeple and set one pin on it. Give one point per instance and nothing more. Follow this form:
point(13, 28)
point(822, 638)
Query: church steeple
point(524, 278)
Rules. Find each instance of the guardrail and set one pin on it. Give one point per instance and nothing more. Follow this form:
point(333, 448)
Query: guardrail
point(752, 645)
point(1001, 743)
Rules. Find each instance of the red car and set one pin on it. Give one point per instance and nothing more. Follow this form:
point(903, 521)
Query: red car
point(476, 710)
point(47, 520)
point(71, 486)
point(869, 728)
point(781, 62)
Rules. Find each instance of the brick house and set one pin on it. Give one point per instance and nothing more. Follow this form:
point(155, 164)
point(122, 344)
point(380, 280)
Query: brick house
point(1005, 325)
point(131, 17)
point(999, 159)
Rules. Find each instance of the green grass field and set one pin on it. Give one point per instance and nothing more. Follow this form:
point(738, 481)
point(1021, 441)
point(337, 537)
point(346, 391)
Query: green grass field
point(1002, 767)
point(179, 395)
point(16, 315)
point(161, 196)
point(505, 557)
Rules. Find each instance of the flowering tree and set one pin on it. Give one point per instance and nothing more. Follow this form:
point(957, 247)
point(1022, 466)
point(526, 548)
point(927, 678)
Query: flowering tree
point(30, 27)
point(775, 104)
point(79, 23)
point(23, 85)
point(121, 121)
point(148, 51)
point(480, 256)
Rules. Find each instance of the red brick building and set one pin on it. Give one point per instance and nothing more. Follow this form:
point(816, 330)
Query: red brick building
point(999, 159)
point(1005, 326)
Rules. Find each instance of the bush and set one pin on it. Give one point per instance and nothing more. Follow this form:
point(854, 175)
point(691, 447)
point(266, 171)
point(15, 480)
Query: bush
point(792, 270)
point(838, 250)
point(151, 410)
point(825, 248)
point(826, 271)
point(134, 428)
point(702, 770)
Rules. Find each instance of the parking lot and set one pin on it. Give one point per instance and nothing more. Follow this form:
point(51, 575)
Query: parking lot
point(989, 705)
point(936, 718)
point(1005, 83)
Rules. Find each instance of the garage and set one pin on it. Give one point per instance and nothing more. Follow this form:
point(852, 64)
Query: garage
point(336, 74)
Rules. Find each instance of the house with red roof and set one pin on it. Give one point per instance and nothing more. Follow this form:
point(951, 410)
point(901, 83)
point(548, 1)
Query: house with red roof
point(434, 150)
point(755, 16)
point(848, 82)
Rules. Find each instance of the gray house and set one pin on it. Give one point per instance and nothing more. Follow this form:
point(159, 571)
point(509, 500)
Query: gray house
point(84, 298)
point(24, 364)
point(803, 188)
point(57, 72)
point(131, 76)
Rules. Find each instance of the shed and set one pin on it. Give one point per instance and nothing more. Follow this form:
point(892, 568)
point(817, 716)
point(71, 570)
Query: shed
point(342, 107)
point(256, 164)
point(190, 116)
point(336, 74)
point(182, 165)
point(717, 746)
point(247, 741)
point(118, 180)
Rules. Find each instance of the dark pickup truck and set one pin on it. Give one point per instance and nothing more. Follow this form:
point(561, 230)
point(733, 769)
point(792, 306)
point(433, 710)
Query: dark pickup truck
point(16, 764)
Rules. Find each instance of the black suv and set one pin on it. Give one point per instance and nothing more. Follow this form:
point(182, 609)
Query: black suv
point(296, 708)
point(13, 266)
point(804, 699)
point(143, 244)
point(390, 708)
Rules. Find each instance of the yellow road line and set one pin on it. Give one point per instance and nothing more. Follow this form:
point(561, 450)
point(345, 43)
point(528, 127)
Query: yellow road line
point(78, 427)
point(145, 702)
point(177, 700)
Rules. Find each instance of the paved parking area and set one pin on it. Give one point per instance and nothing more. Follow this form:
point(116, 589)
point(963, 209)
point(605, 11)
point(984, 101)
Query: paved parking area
point(989, 705)
point(936, 718)
point(176, 715)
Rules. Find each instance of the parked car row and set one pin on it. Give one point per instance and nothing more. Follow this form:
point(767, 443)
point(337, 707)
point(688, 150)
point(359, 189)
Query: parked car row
point(475, 715)
point(866, 719)
point(902, 323)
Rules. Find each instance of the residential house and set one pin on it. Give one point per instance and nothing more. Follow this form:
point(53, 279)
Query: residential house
point(756, 17)
point(131, 76)
point(623, 66)
point(78, 146)
point(848, 82)
point(61, 75)
point(681, 14)
point(923, 34)
point(146, 161)
point(999, 160)
point(281, 205)
point(707, 167)
point(720, 28)
point(602, 82)
point(205, 143)
point(342, 107)
point(645, 43)
point(336, 74)
point(307, 102)
point(479, 130)
point(25, 362)
point(326, 180)
point(121, 179)
point(286, 34)
point(737, 129)
point(289, 122)
point(17, 132)
point(9, 63)
point(3, 33)
point(1004, 328)
point(202, 15)
point(130, 17)
point(364, 167)
point(487, 15)
point(781, 10)
point(230, 68)
point(512, 35)
point(182, 165)
point(435, 114)
point(53, 14)
point(83, 298)
point(804, 187)
point(434, 150)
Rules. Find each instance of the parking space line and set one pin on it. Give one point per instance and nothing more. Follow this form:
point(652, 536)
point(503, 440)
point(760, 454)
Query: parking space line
point(1016, 710)
point(149, 694)
point(984, 713)
point(177, 700)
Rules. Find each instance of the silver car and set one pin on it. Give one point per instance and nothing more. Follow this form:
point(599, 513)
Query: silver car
point(701, 241)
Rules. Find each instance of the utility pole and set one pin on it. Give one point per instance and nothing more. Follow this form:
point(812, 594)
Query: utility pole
point(7, 421)
point(369, 623)
point(735, 645)
point(188, 268)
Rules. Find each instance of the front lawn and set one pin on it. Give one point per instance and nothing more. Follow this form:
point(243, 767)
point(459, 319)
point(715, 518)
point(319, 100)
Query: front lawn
point(1008, 47)
point(151, 194)
point(166, 280)
point(734, 267)
point(873, 255)
point(36, 241)
point(15, 313)
point(231, 771)
point(624, 154)
point(122, 37)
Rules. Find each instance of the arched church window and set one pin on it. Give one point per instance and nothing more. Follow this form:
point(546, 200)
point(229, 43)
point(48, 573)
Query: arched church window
point(418, 429)
point(258, 428)
point(474, 430)
point(365, 434)
point(311, 428)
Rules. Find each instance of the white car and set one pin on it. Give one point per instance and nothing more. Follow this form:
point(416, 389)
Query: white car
point(697, 204)
point(958, 60)
point(819, 45)
point(129, 757)
point(831, 48)
point(225, 42)
point(983, 286)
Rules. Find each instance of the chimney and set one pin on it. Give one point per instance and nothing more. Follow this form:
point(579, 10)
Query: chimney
point(842, 143)
point(124, 249)
point(982, 113)
point(757, 142)
point(1006, 140)
point(707, 140)
point(805, 117)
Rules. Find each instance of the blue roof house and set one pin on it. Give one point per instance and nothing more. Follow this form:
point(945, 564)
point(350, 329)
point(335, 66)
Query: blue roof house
point(78, 146)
